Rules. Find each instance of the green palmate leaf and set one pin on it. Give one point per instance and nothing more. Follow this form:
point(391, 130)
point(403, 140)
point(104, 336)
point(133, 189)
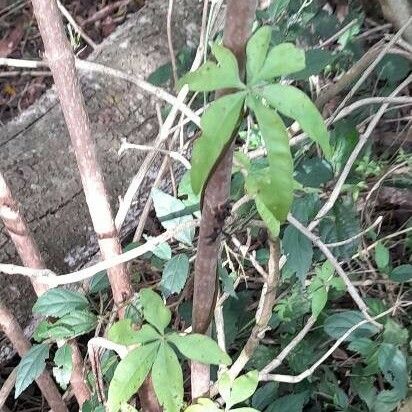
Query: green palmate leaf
point(218, 124)
point(59, 302)
point(175, 274)
point(338, 324)
point(31, 366)
point(154, 310)
point(211, 76)
point(256, 51)
point(130, 374)
point(199, 348)
point(280, 160)
point(63, 359)
point(381, 256)
point(392, 363)
point(401, 274)
point(244, 410)
point(122, 332)
point(293, 103)
point(282, 59)
point(167, 379)
point(244, 387)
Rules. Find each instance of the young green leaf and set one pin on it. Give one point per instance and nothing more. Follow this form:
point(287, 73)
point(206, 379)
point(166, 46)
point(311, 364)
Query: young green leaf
point(154, 310)
point(199, 348)
point(244, 387)
point(211, 76)
point(59, 302)
point(175, 274)
point(218, 124)
point(293, 103)
point(167, 379)
point(280, 160)
point(130, 374)
point(63, 359)
point(381, 256)
point(122, 332)
point(319, 297)
point(282, 59)
point(31, 366)
point(256, 51)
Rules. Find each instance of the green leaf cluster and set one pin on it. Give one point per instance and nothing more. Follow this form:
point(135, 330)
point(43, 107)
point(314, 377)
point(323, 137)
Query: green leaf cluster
point(72, 313)
point(152, 349)
point(272, 186)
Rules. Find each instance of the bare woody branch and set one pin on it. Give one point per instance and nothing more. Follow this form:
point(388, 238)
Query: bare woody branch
point(308, 372)
point(61, 62)
point(62, 65)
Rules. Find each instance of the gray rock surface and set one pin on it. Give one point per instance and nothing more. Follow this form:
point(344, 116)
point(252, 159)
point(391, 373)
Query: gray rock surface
point(39, 165)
